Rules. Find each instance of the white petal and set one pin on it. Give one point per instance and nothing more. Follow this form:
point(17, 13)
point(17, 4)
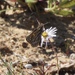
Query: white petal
point(47, 30)
point(42, 40)
point(52, 32)
point(53, 35)
point(50, 28)
point(54, 29)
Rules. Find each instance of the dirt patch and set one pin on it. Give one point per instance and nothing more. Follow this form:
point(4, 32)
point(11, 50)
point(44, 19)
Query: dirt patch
point(16, 50)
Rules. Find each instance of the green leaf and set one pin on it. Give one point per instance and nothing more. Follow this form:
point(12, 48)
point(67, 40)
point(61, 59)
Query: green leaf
point(30, 1)
point(67, 4)
point(64, 12)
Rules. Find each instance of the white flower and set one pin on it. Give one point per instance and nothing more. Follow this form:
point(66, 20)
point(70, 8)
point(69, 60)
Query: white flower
point(47, 34)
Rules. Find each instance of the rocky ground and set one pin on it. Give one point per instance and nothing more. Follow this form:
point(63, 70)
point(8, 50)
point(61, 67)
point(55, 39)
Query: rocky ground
point(22, 57)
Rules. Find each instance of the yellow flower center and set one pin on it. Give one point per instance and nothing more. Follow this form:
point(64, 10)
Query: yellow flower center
point(44, 34)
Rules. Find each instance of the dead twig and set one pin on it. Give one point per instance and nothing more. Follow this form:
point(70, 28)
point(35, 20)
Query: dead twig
point(54, 50)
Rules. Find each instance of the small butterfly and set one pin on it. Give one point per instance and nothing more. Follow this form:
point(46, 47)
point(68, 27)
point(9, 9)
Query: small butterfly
point(35, 37)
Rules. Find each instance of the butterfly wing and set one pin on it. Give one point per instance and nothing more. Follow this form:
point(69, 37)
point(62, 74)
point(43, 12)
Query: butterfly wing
point(35, 37)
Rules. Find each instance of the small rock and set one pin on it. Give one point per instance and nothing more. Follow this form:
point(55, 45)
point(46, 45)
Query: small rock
point(15, 63)
point(28, 32)
point(71, 61)
point(66, 74)
point(12, 2)
point(28, 66)
point(72, 56)
point(24, 44)
point(73, 37)
point(24, 59)
point(40, 59)
point(10, 12)
point(15, 39)
point(33, 63)
point(70, 25)
point(17, 22)
point(56, 74)
point(47, 65)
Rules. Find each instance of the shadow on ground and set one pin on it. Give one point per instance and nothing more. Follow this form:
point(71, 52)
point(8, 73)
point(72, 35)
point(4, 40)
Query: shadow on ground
point(28, 21)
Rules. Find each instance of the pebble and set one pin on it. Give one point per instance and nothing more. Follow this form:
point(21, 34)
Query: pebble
point(24, 45)
point(24, 59)
point(72, 56)
point(66, 74)
point(47, 65)
point(73, 37)
point(15, 62)
point(28, 66)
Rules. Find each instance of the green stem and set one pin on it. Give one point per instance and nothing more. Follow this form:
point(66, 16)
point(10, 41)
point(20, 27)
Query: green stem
point(9, 69)
point(3, 10)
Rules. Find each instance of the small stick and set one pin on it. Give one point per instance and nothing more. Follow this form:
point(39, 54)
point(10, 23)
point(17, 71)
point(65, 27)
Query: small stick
point(56, 56)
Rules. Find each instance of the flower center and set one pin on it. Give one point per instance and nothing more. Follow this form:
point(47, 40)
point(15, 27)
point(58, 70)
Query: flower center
point(44, 34)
